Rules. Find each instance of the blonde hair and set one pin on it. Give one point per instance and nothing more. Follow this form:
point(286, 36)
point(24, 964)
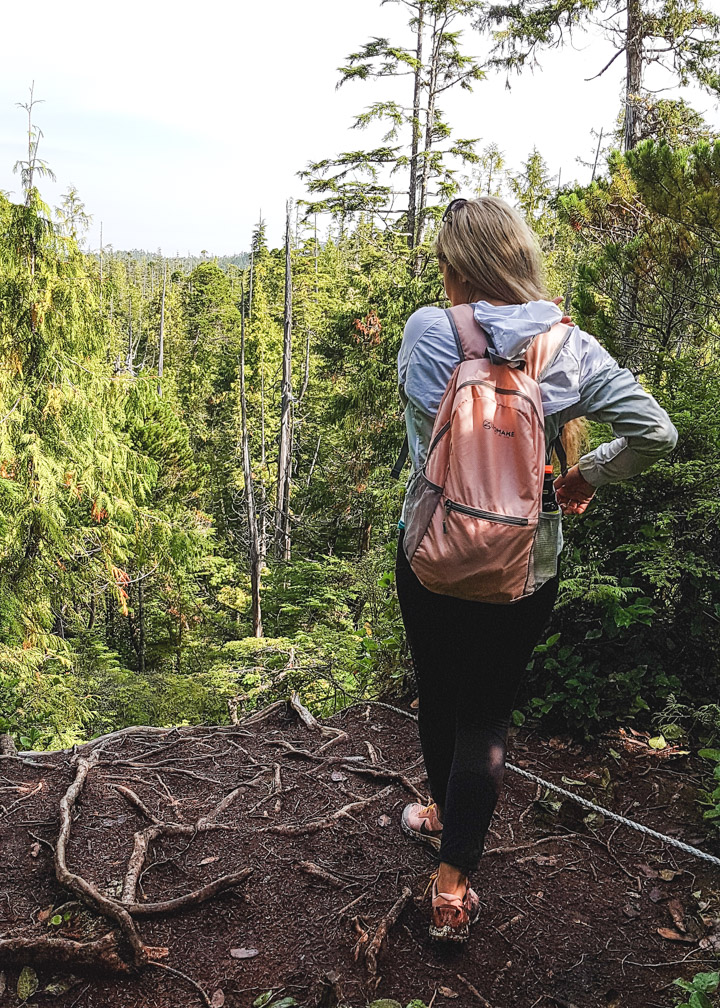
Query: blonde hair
point(488, 244)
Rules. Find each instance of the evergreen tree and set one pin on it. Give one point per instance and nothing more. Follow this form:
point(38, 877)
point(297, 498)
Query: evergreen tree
point(681, 36)
point(418, 140)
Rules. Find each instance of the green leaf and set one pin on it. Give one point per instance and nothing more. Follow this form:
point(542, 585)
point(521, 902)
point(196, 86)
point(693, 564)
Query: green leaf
point(672, 731)
point(707, 983)
point(27, 983)
point(699, 1000)
point(713, 754)
point(57, 919)
point(385, 1003)
point(658, 742)
point(60, 985)
point(518, 718)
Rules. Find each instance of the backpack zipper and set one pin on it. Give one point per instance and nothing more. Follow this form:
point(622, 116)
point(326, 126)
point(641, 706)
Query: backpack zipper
point(477, 513)
point(503, 391)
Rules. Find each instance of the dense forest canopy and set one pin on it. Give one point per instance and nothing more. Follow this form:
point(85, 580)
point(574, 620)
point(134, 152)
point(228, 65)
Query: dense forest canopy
point(196, 509)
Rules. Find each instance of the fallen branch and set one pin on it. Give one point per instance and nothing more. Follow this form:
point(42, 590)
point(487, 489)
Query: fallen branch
point(262, 714)
point(324, 876)
point(532, 843)
point(373, 950)
point(169, 969)
point(389, 775)
point(134, 800)
point(342, 736)
point(474, 991)
point(289, 829)
point(292, 750)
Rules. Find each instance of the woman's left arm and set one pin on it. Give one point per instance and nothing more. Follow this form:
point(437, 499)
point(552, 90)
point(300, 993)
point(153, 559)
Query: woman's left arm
point(644, 432)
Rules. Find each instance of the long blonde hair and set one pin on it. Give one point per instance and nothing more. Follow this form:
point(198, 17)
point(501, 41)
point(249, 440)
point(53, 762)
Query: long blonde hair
point(488, 245)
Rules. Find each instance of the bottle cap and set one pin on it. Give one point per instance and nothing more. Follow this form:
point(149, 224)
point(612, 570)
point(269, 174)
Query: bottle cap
point(548, 469)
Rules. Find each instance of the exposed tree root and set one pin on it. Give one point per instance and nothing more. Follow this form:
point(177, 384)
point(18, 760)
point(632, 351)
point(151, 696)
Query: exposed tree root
point(101, 954)
point(169, 969)
point(296, 829)
point(474, 991)
point(375, 945)
point(324, 876)
point(104, 953)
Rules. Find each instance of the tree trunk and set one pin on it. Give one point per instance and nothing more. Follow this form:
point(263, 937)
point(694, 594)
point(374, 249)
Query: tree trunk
point(161, 355)
point(415, 146)
point(437, 35)
point(634, 68)
point(256, 546)
point(597, 155)
point(282, 533)
point(141, 627)
point(252, 277)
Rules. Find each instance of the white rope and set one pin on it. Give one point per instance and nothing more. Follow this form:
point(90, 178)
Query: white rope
point(618, 818)
point(576, 798)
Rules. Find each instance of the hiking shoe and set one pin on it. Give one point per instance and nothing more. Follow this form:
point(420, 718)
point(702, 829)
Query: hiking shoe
point(451, 916)
point(421, 823)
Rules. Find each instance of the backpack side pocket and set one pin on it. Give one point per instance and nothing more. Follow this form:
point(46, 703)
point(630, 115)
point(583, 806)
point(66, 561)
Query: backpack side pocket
point(421, 499)
point(545, 549)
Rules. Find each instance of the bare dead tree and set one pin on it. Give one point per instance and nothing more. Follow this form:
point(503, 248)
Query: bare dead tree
point(161, 358)
point(257, 543)
point(282, 525)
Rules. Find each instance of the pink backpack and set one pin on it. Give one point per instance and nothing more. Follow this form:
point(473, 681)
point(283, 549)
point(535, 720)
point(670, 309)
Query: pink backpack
point(474, 524)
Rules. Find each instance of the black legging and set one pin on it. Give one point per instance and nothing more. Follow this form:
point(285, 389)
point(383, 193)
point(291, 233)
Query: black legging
point(469, 660)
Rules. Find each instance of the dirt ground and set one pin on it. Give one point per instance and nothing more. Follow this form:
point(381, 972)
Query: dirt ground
point(577, 911)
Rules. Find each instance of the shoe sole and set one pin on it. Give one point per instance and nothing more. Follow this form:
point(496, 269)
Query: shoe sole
point(449, 933)
point(422, 838)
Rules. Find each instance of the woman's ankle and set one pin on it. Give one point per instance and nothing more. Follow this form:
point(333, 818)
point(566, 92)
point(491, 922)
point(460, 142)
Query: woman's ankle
point(450, 878)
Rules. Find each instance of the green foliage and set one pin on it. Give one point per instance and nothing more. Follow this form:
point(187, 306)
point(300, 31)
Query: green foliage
point(638, 612)
point(700, 988)
point(711, 798)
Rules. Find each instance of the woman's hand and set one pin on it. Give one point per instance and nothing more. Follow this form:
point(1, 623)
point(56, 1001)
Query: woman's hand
point(566, 318)
point(573, 492)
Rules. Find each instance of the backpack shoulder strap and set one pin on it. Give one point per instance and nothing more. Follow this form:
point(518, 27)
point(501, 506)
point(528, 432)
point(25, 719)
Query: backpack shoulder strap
point(401, 459)
point(469, 336)
point(544, 349)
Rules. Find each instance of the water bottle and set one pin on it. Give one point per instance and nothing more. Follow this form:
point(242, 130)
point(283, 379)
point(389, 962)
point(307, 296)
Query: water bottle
point(549, 500)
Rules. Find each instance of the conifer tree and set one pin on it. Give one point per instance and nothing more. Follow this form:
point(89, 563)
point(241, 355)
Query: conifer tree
point(681, 36)
point(418, 141)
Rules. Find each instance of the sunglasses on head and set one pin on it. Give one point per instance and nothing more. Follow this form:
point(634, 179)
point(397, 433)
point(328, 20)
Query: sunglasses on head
point(454, 205)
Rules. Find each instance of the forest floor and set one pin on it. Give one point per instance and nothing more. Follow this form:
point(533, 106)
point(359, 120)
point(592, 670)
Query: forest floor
point(321, 897)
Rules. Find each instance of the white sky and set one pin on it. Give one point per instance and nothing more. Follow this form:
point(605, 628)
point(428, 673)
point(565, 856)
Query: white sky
point(178, 122)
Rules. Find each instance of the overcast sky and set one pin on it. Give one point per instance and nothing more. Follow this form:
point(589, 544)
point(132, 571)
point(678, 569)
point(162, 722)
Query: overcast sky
point(178, 123)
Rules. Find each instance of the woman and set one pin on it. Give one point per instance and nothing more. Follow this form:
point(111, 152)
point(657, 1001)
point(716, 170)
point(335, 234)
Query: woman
point(469, 657)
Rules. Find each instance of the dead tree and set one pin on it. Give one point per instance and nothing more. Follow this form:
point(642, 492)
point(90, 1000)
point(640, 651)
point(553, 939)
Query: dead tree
point(257, 542)
point(282, 524)
point(161, 352)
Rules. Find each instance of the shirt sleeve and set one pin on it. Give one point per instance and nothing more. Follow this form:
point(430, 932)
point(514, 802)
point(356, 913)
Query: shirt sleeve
point(428, 356)
point(644, 431)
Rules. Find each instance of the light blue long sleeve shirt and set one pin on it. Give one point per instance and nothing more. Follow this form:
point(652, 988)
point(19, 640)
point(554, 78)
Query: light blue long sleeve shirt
point(583, 380)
